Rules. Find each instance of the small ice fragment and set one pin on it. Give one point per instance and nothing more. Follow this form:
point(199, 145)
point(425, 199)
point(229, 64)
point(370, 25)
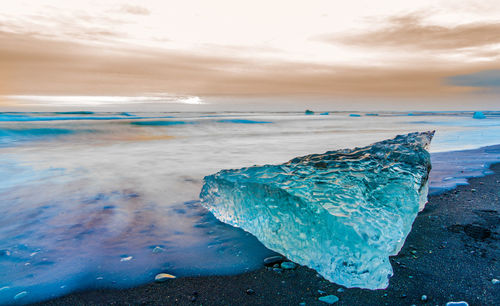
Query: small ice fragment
point(329, 299)
point(461, 303)
point(158, 249)
point(495, 281)
point(162, 277)
point(20, 295)
point(4, 288)
point(126, 258)
point(99, 278)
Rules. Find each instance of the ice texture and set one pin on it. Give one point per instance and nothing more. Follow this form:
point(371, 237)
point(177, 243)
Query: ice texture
point(342, 213)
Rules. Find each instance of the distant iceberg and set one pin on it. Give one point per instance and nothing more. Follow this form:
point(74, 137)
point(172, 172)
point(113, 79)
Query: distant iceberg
point(478, 115)
point(341, 213)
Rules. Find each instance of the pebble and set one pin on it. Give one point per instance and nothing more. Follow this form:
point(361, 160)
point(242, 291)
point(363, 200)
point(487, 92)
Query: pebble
point(329, 299)
point(277, 270)
point(423, 298)
point(321, 291)
point(495, 281)
point(302, 304)
point(287, 265)
point(340, 290)
point(163, 277)
point(20, 295)
point(461, 303)
point(250, 291)
point(269, 261)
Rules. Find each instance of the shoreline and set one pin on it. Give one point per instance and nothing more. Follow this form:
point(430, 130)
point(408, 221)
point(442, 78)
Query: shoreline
point(451, 254)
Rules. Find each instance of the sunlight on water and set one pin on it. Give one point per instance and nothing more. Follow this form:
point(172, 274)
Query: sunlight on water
point(91, 101)
point(92, 199)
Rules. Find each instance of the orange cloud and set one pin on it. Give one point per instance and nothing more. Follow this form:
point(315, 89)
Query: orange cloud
point(30, 65)
point(134, 10)
point(409, 32)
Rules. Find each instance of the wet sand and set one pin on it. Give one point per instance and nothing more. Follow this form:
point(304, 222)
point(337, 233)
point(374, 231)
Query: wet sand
point(451, 254)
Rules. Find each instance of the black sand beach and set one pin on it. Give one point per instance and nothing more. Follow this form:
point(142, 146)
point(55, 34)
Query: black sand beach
point(452, 254)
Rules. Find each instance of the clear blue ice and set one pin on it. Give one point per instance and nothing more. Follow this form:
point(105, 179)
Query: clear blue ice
point(341, 213)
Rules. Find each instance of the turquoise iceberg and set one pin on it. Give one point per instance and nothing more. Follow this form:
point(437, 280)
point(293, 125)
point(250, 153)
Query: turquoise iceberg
point(342, 213)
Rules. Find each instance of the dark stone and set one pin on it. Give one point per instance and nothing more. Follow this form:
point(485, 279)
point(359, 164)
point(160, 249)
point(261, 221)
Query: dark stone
point(455, 228)
point(270, 261)
point(477, 232)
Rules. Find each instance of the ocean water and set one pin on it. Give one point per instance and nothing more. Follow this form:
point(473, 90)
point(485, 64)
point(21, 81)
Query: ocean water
point(109, 199)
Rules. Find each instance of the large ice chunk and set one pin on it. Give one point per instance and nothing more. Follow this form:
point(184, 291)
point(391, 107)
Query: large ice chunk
point(341, 213)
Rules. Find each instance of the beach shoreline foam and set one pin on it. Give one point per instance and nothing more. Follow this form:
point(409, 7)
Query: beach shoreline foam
point(442, 259)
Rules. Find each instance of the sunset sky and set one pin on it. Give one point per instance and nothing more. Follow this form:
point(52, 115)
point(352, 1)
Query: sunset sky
point(445, 52)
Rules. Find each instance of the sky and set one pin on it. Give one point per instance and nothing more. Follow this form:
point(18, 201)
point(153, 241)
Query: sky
point(431, 53)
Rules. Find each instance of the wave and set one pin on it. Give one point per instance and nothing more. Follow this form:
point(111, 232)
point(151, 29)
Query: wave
point(25, 118)
point(161, 123)
point(11, 136)
point(75, 113)
point(242, 121)
point(35, 132)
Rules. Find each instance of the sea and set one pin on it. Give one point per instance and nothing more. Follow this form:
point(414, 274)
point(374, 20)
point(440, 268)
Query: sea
point(94, 199)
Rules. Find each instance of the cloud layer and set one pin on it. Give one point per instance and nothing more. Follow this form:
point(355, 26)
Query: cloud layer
point(410, 31)
point(31, 65)
point(135, 49)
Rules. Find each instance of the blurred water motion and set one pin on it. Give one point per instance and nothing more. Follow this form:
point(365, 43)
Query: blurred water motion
point(92, 199)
